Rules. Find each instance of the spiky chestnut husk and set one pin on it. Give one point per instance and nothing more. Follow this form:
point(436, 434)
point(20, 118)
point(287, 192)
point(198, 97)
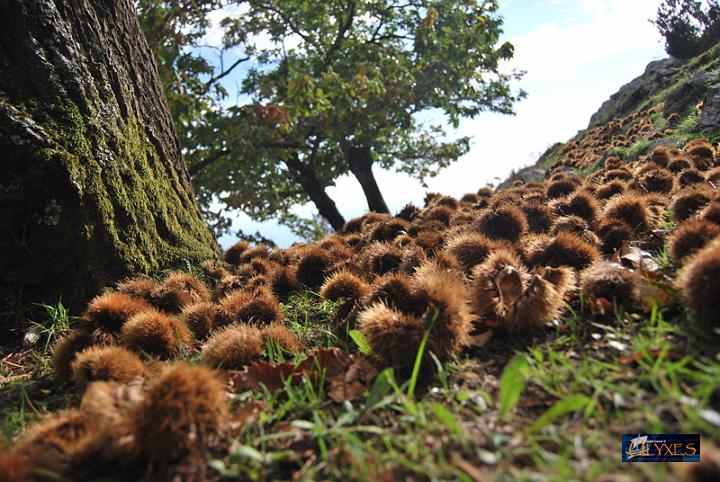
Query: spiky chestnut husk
point(582, 205)
point(354, 225)
point(679, 164)
point(66, 349)
point(52, 445)
point(214, 270)
point(470, 249)
point(570, 224)
point(688, 202)
point(412, 257)
point(106, 363)
point(563, 278)
point(315, 264)
point(700, 151)
point(698, 281)
point(713, 177)
point(107, 313)
point(487, 295)
point(260, 251)
point(281, 335)
point(660, 156)
point(631, 209)
point(431, 240)
point(442, 214)
point(394, 336)
point(381, 258)
point(447, 309)
point(258, 307)
point(621, 174)
point(184, 413)
point(344, 285)
point(284, 282)
point(179, 290)
point(613, 162)
point(613, 234)
point(137, 287)
point(397, 291)
point(503, 223)
point(711, 213)
point(233, 253)
point(260, 266)
point(228, 284)
point(560, 188)
point(408, 213)
point(538, 216)
point(233, 346)
point(485, 192)
point(690, 177)
point(691, 236)
point(563, 249)
point(201, 318)
point(155, 333)
point(470, 198)
point(610, 189)
point(605, 283)
point(388, 231)
point(657, 180)
point(538, 304)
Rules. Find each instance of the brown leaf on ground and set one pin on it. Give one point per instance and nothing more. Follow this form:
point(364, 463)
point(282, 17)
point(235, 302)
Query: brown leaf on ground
point(247, 414)
point(259, 375)
point(353, 382)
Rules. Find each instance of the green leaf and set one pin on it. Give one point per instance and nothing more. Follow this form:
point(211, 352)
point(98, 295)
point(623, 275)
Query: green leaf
point(381, 388)
point(447, 418)
point(361, 342)
point(572, 403)
point(512, 383)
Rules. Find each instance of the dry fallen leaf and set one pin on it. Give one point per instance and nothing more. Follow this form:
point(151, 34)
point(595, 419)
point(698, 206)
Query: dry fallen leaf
point(352, 383)
point(259, 375)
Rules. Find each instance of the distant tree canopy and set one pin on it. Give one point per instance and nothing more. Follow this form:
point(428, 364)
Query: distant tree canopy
point(327, 89)
point(689, 26)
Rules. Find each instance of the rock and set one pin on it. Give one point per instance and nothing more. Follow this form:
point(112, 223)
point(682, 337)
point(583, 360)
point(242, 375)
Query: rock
point(658, 75)
point(680, 99)
point(710, 115)
point(670, 141)
point(525, 175)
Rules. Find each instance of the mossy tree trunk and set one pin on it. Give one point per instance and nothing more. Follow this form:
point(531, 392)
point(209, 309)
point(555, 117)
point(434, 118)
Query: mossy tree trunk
point(93, 185)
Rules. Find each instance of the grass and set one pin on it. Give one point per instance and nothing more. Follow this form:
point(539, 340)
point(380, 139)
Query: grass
point(550, 408)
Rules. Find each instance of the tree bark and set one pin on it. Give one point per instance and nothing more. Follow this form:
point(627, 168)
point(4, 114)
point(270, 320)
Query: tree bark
point(324, 204)
point(93, 185)
point(360, 161)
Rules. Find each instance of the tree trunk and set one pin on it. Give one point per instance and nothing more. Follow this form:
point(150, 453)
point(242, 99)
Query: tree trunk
point(93, 185)
point(325, 205)
point(360, 161)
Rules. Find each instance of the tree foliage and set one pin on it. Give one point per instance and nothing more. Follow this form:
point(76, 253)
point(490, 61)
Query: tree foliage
point(689, 26)
point(329, 88)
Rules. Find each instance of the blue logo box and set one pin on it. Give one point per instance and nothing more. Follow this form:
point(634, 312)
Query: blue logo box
point(660, 447)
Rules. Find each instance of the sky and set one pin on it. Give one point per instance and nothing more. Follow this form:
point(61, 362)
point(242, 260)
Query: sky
point(576, 54)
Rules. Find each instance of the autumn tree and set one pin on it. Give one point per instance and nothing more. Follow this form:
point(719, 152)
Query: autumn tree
point(339, 87)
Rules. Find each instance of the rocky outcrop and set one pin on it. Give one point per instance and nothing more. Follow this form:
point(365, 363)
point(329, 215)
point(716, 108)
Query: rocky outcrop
point(688, 93)
point(658, 75)
point(710, 116)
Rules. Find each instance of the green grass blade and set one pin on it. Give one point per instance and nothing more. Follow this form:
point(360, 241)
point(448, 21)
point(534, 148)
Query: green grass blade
point(570, 404)
point(512, 383)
